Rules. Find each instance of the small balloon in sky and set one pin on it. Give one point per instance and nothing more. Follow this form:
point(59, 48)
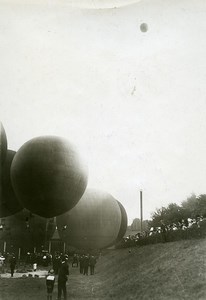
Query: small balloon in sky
point(144, 27)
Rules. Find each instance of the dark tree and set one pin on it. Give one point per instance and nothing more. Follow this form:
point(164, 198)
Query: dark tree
point(192, 207)
point(195, 206)
point(171, 214)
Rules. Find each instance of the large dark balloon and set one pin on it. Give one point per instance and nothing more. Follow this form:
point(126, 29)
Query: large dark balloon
point(26, 230)
point(94, 223)
point(123, 226)
point(9, 204)
point(3, 144)
point(48, 176)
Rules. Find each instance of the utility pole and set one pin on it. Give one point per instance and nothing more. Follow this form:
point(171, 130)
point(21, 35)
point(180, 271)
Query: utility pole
point(141, 211)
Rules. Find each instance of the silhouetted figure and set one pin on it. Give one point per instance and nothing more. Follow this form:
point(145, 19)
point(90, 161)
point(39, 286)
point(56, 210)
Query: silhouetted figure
point(56, 264)
point(186, 223)
point(81, 264)
point(12, 263)
point(163, 232)
point(62, 279)
point(44, 261)
point(92, 263)
point(75, 260)
point(86, 264)
point(2, 261)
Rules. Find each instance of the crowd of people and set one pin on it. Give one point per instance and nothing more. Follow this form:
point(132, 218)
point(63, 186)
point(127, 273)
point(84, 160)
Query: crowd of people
point(63, 273)
point(85, 262)
point(57, 265)
point(165, 232)
point(42, 258)
point(61, 268)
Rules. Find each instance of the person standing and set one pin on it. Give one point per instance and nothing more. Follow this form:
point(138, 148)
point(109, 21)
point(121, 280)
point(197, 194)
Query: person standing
point(12, 263)
point(50, 280)
point(92, 263)
point(56, 263)
point(81, 264)
point(2, 259)
point(75, 260)
point(62, 279)
point(86, 264)
point(34, 267)
point(163, 231)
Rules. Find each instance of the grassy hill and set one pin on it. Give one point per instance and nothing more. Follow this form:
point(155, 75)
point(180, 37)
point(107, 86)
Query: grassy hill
point(175, 270)
point(163, 271)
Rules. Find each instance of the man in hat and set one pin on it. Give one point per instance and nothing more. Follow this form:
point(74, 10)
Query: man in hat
point(62, 278)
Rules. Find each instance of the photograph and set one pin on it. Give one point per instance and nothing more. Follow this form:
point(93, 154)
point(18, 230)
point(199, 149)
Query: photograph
point(102, 149)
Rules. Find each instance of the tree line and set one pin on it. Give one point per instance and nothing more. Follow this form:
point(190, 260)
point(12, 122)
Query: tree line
point(193, 207)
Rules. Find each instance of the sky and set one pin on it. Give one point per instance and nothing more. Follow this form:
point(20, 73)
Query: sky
point(132, 102)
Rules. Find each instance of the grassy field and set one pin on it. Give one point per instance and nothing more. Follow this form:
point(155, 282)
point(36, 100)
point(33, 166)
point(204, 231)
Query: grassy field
point(174, 270)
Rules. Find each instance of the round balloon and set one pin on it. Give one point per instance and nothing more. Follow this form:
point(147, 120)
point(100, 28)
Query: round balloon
point(9, 204)
point(94, 223)
point(48, 176)
point(144, 27)
point(3, 144)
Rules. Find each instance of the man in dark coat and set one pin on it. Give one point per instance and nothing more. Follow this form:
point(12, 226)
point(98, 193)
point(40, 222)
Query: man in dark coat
point(81, 264)
point(56, 263)
point(92, 263)
point(12, 262)
point(75, 260)
point(62, 279)
point(86, 264)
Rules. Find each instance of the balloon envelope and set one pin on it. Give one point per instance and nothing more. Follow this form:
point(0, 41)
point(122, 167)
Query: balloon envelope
point(123, 226)
point(9, 204)
point(3, 144)
point(144, 27)
point(48, 176)
point(27, 230)
point(94, 223)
